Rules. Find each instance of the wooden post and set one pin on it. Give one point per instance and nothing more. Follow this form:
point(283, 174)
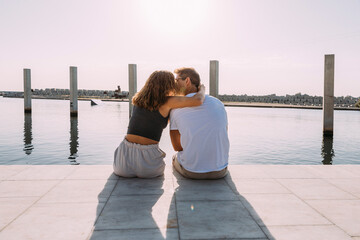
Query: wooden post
point(73, 92)
point(132, 85)
point(27, 90)
point(214, 78)
point(328, 101)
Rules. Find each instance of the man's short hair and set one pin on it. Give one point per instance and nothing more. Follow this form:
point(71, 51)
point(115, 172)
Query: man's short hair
point(189, 72)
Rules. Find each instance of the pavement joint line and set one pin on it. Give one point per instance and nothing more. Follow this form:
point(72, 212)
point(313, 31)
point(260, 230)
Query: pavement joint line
point(226, 238)
point(97, 217)
point(247, 210)
point(305, 202)
point(55, 185)
point(175, 203)
point(239, 197)
point(59, 181)
point(27, 166)
point(327, 180)
point(132, 195)
point(125, 229)
point(301, 225)
point(206, 200)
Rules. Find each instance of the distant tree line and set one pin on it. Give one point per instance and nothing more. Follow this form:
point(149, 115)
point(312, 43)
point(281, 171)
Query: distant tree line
point(297, 99)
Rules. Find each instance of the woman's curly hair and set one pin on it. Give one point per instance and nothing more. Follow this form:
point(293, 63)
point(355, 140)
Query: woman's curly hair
point(155, 91)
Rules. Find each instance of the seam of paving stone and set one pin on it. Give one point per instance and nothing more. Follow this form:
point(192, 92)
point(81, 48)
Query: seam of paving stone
point(6, 179)
point(25, 210)
point(305, 202)
point(327, 180)
point(175, 203)
point(239, 200)
point(227, 238)
point(97, 217)
point(125, 229)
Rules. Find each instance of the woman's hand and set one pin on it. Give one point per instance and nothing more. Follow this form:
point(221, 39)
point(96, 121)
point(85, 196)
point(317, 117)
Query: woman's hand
point(201, 93)
point(201, 88)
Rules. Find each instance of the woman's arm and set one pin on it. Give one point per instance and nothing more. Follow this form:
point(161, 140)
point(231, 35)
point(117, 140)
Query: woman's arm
point(182, 101)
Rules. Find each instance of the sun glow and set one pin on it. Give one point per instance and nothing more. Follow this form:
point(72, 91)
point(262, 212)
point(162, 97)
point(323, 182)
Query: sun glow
point(174, 16)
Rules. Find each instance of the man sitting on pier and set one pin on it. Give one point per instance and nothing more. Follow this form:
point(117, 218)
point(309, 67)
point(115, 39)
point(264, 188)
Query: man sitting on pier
point(199, 134)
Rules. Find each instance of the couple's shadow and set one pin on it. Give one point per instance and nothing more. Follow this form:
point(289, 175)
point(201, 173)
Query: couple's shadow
point(173, 207)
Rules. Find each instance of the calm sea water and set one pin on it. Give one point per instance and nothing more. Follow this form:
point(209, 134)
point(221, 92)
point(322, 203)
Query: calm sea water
point(257, 135)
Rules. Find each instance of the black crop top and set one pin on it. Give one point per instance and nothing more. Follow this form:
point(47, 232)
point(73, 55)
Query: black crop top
point(146, 123)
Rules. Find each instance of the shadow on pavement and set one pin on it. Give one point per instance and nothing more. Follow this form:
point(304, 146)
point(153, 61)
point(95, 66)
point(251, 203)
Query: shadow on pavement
point(198, 209)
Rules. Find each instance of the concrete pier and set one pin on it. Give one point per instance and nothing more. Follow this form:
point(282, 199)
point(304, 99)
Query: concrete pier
point(328, 102)
point(73, 92)
point(27, 90)
point(132, 85)
point(267, 202)
point(214, 78)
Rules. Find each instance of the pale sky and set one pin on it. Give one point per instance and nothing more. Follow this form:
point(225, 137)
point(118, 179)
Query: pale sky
point(263, 46)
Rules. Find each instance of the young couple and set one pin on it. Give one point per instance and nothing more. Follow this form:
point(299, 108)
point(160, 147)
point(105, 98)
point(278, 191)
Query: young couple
point(198, 129)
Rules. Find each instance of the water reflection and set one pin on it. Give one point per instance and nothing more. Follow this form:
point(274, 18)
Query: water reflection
point(327, 151)
point(28, 147)
point(74, 143)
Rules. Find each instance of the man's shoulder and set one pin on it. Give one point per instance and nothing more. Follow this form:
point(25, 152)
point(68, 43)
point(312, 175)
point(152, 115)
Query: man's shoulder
point(212, 101)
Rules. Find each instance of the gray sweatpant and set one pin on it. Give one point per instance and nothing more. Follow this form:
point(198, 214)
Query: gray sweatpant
point(136, 160)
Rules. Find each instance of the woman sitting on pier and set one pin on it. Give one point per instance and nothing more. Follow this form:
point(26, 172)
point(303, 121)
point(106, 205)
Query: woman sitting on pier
point(139, 155)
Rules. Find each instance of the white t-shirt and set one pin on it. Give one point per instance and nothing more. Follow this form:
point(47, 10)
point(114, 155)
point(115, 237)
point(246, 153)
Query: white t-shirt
point(204, 135)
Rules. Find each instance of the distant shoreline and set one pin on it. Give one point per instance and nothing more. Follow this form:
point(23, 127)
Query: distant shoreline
point(226, 103)
point(279, 105)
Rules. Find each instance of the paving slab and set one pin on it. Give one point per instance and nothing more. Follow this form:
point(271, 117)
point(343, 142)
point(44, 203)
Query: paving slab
point(281, 209)
point(187, 190)
point(328, 232)
point(246, 171)
point(44, 172)
point(139, 186)
point(331, 171)
point(140, 211)
point(355, 169)
point(100, 172)
point(344, 213)
point(256, 186)
point(26, 188)
point(10, 208)
point(251, 202)
point(314, 189)
point(135, 234)
point(287, 171)
point(346, 185)
point(53, 221)
point(80, 191)
point(216, 220)
point(10, 170)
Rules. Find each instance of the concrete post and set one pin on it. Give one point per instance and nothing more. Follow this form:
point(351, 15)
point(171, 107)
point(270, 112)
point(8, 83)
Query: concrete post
point(132, 85)
point(214, 78)
point(27, 90)
point(73, 92)
point(328, 101)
